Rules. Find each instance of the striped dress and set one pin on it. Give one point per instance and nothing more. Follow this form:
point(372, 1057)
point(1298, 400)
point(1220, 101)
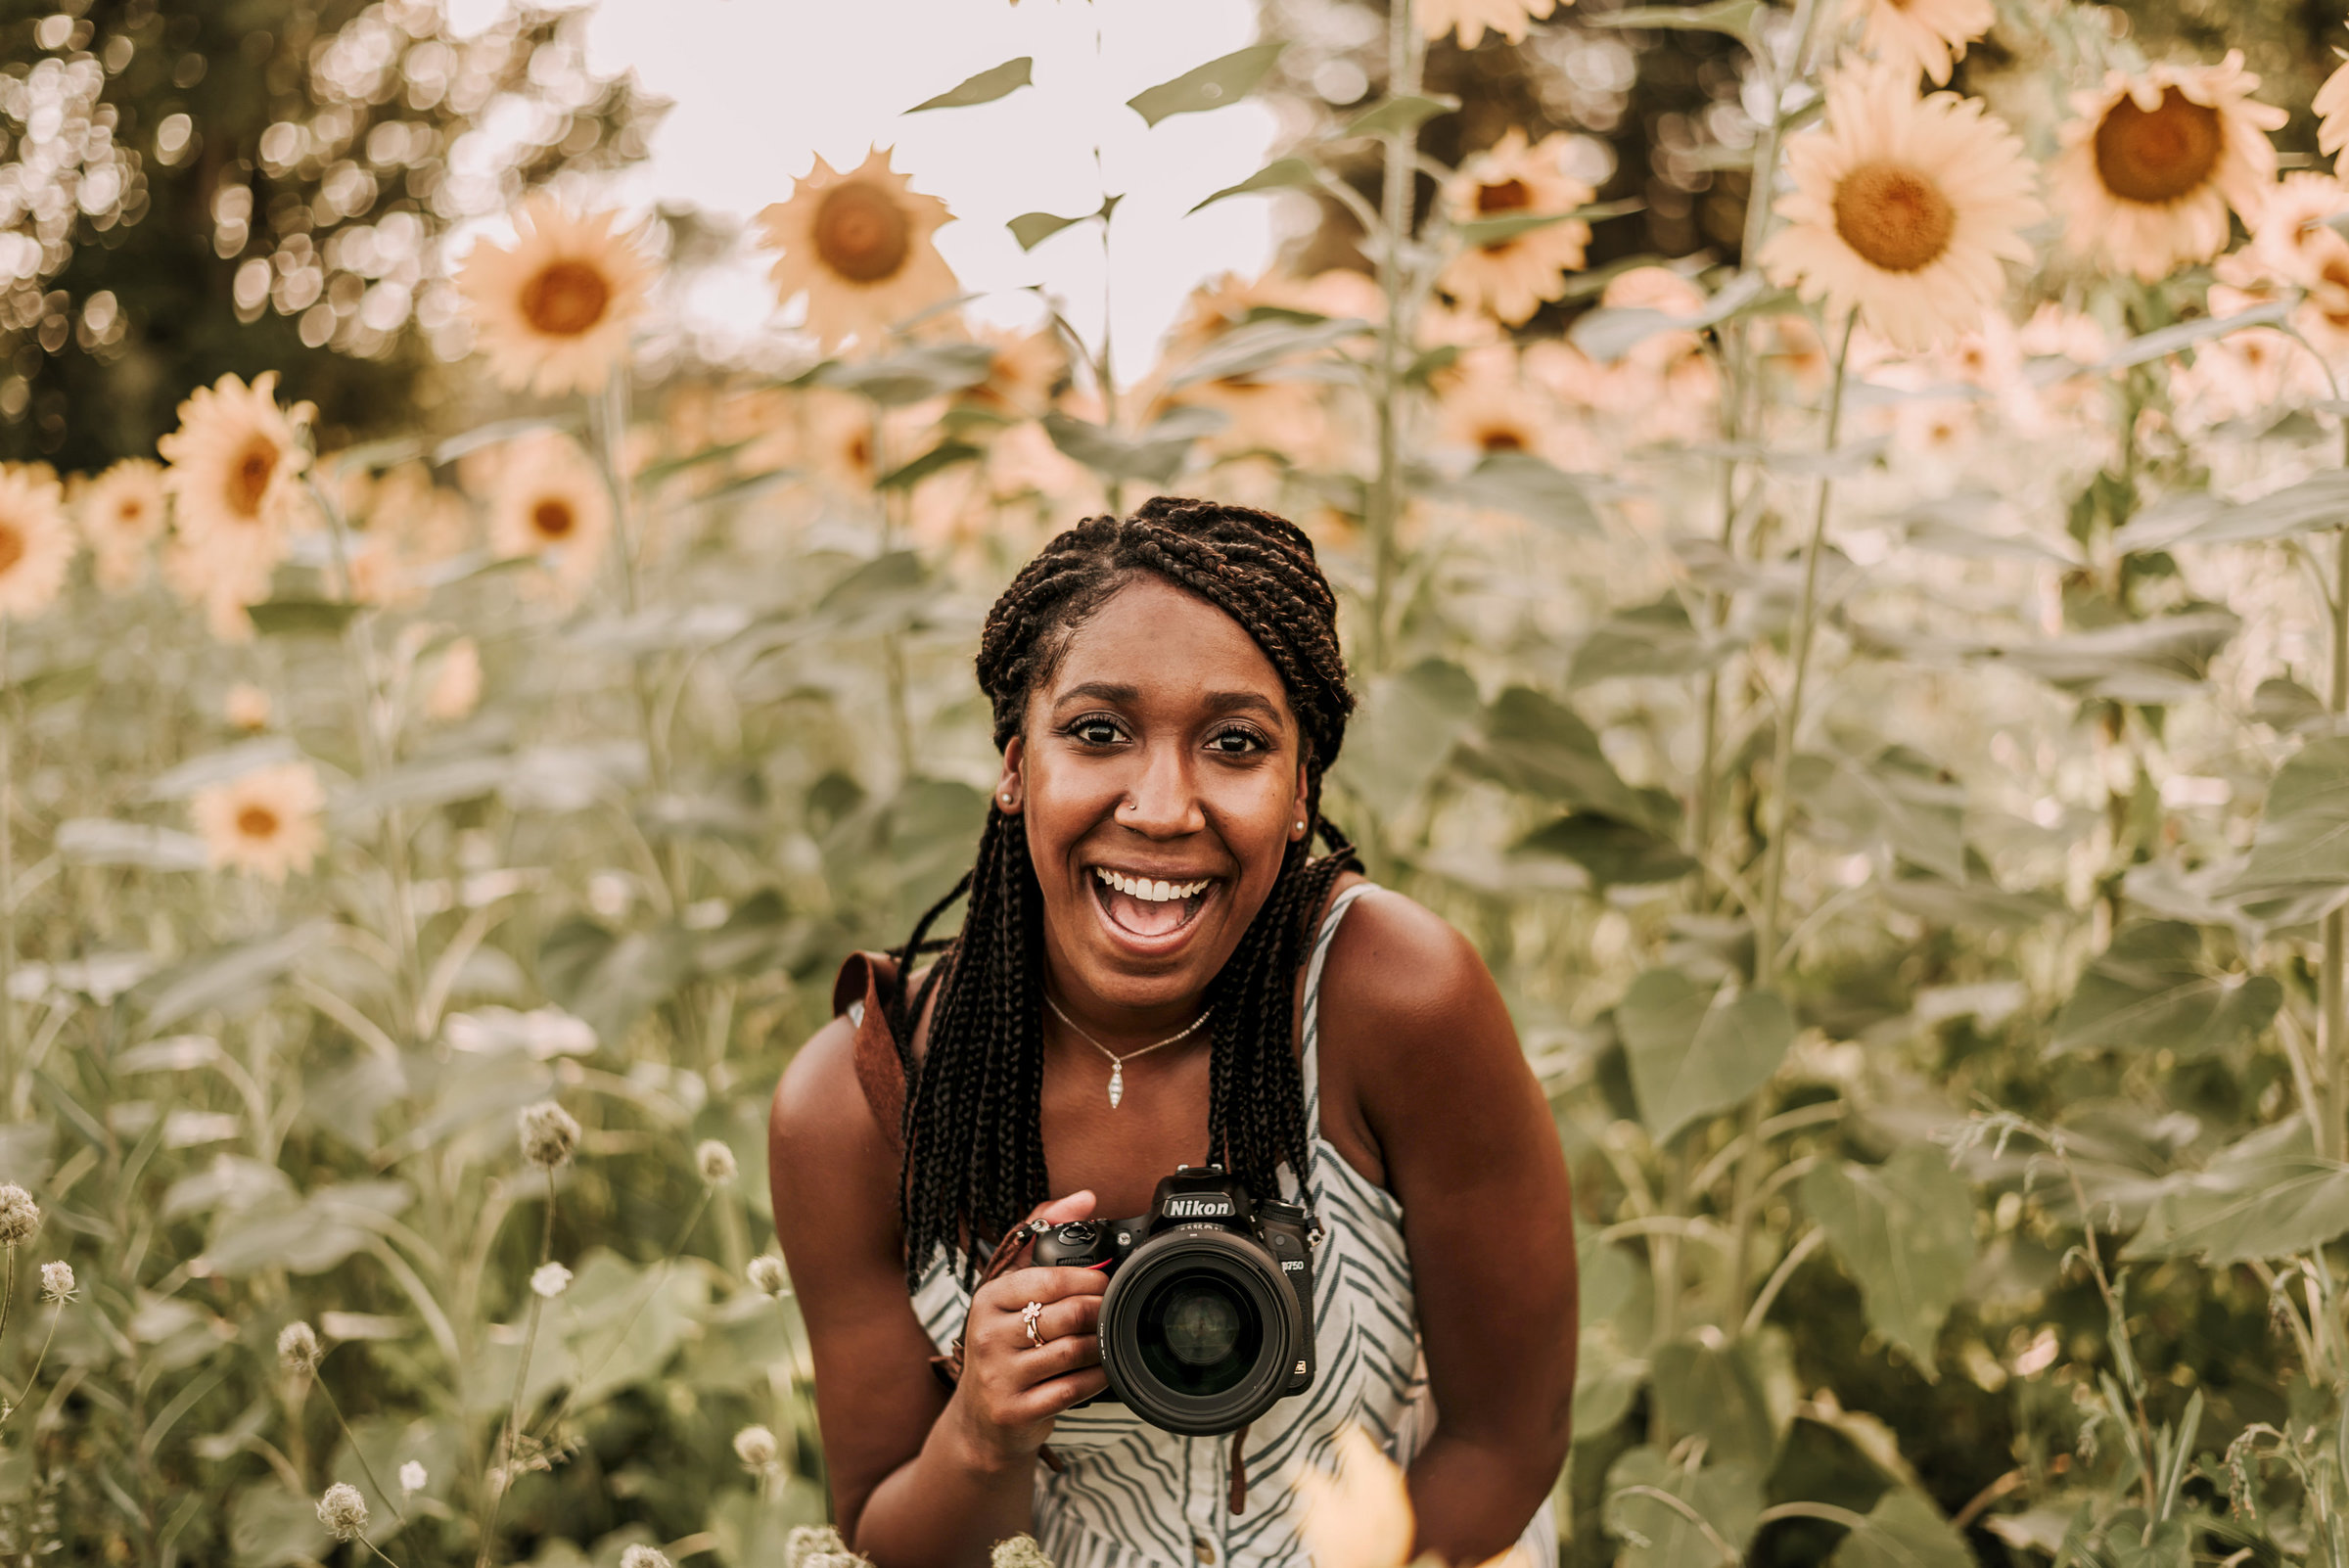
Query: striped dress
point(1135, 1496)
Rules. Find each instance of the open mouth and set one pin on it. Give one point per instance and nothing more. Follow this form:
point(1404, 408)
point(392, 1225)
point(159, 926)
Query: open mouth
point(1148, 908)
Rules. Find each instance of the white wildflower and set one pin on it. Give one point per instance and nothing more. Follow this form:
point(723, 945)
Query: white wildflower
point(549, 1135)
point(411, 1478)
point(643, 1557)
point(298, 1351)
point(1020, 1551)
point(755, 1448)
point(550, 1279)
point(805, 1542)
point(767, 1276)
point(20, 1216)
point(715, 1162)
point(342, 1511)
point(57, 1282)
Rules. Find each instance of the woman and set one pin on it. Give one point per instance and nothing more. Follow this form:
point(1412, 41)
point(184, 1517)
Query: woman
point(1154, 971)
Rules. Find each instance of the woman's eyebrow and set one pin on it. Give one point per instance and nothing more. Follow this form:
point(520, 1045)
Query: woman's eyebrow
point(1101, 691)
point(1234, 702)
point(1217, 702)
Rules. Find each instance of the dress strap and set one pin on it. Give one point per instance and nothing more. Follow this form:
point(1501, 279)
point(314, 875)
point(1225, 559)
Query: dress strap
point(1311, 1064)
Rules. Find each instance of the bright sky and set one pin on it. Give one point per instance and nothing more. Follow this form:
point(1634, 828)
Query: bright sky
point(761, 85)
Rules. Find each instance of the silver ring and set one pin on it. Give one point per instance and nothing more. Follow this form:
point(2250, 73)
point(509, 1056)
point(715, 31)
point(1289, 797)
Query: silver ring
point(1028, 1319)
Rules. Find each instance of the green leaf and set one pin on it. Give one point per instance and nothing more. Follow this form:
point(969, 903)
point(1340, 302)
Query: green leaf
point(1691, 1056)
point(1976, 904)
point(101, 841)
point(2149, 661)
point(1733, 17)
point(432, 782)
point(228, 976)
point(301, 618)
point(1904, 1230)
point(40, 687)
point(1281, 174)
point(1726, 1497)
point(218, 768)
point(1398, 115)
point(308, 1236)
point(1895, 799)
point(1615, 854)
point(943, 456)
point(1259, 345)
point(1220, 82)
point(2265, 1196)
point(2151, 989)
point(1648, 640)
point(386, 1443)
point(503, 430)
point(1481, 233)
point(1714, 1387)
point(2169, 340)
point(2320, 502)
point(1032, 229)
point(1903, 1530)
point(1404, 733)
point(1608, 334)
point(1536, 745)
point(996, 81)
point(2300, 865)
point(883, 594)
point(612, 989)
point(270, 1524)
point(1523, 484)
point(913, 375)
point(1153, 458)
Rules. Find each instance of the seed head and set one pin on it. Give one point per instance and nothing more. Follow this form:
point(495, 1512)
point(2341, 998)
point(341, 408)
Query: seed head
point(411, 1478)
point(715, 1161)
point(643, 1557)
point(298, 1350)
point(767, 1275)
point(342, 1511)
point(755, 1447)
point(550, 1279)
point(807, 1543)
point(57, 1282)
point(548, 1135)
point(20, 1216)
point(1020, 1551)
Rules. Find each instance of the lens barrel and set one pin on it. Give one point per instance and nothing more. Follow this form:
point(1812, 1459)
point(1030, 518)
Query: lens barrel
point(1199, 1330)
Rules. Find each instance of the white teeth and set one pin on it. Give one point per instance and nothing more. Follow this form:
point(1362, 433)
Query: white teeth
point(1154, 892)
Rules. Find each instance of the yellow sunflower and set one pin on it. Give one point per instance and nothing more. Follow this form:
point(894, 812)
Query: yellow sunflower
point(266, 822)
point(36, 543)
point(1508, 18)
point(1927, 35)
point(553, 309)
point(551, 504)
point(1021, 378)
point(1903, 207)
point(859, 245)
point(2290, 231)
point(1512, 277)
point(2151, 163)
point(121, 515)
point(235, 478)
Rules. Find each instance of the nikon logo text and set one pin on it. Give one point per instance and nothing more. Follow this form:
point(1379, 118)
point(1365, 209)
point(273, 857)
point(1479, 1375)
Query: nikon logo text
point(1197, 1208)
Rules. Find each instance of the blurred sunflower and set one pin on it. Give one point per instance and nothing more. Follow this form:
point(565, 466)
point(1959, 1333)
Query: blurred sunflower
point(1508, 18)
point(122, 514)
point(265, 821)
point(1927, 35)
point(2289, 232)
point(2331, 108)
point(235, 479)
point(1492, 411)
point(859, 245)
point(456, 684)
point(1903, 207)
point(36, 543)
point(553, 309)
point(1358, 1516)
point(2151, 163)
point(1020, 376)
point(551, 504)
point(1512, 277)
point(248, 708)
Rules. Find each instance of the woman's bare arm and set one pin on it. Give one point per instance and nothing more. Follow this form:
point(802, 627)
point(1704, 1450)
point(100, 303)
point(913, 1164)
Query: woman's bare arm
point(1415, 1030)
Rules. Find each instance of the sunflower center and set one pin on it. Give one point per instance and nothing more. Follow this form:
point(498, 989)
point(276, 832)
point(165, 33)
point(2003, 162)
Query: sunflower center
point(2158, 155)
point(861, 234)
point(12, 548)
point(2331, 295)
point(256, 822)
point(565, 298)
point(1501, 438)
point(1895, 218)
point(553, 518)
point(250, 474)
point(1508, 196)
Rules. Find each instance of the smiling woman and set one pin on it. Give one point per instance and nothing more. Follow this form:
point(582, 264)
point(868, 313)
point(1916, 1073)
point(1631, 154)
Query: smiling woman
point(1156, 974)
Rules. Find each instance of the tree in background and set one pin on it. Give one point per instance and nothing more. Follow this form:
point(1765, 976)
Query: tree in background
point(195, 187)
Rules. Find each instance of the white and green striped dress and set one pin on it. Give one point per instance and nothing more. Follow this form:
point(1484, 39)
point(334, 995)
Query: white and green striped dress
point(1135, 1496)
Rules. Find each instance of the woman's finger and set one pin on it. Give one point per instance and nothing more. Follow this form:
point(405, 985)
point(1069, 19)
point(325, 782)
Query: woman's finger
point(1055, 1395)
point(1010, 1292)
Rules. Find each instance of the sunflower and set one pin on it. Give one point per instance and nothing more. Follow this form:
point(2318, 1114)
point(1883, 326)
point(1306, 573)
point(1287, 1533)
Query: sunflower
point(2290, 231)
point(553, 309)
point(265, 821)
point(248, 708)
point(1020, 376)
point(551, 504)
point(1492, 411)
point(1512, 277)
point(1508, 18)
point(235, 479)
point(456, 685)
point(2151, 163)
point(122, 514)
point(1903, 207)
point(859, 245)
point(1927, 35)
point(36, 543)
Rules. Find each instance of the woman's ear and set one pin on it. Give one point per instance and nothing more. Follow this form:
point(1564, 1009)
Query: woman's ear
point(1010, 792)
point(1301, 807)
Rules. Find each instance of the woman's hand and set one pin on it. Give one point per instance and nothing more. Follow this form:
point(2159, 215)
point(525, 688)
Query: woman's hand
point(1011, 1390)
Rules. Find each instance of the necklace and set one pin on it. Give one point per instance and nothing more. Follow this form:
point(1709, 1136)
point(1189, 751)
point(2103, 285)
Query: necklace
point(1117, 1069)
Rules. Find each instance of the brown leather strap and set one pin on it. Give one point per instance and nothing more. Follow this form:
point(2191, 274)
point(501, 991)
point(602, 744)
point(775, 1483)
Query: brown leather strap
point(863, 980)
point(1239, 1470)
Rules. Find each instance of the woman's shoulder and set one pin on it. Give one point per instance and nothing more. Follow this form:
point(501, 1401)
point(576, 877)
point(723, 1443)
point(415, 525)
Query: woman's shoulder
point(1396, 962)
point(843, 1089)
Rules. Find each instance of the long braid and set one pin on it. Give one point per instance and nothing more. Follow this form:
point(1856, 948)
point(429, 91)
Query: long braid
point(974, 1158)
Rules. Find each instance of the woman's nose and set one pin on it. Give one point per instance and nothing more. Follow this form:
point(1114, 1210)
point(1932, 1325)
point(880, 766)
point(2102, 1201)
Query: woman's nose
point(1160, 803)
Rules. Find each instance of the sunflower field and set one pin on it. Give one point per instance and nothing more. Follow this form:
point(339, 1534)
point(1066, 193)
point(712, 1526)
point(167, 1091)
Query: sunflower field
point(1855, 628)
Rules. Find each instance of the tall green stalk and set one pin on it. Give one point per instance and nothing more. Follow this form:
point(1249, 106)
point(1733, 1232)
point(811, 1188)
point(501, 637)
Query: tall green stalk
point(1406, 54)
point(2332, 1039)
point(8, 877)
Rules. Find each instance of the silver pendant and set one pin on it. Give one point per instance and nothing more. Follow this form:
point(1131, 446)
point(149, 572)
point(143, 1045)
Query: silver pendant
point(1116, 1084)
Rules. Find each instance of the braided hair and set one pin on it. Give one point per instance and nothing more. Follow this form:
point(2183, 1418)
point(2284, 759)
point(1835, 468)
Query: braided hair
point(972, 1134)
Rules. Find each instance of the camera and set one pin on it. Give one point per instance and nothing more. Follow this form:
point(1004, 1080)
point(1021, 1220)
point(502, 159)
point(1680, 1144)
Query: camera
point(1209, 1316)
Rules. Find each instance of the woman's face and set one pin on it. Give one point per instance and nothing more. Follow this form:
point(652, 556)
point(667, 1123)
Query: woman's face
point(1160, 758)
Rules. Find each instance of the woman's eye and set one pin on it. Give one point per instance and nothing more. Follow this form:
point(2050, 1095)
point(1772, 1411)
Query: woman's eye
point(1094, 731)
point(1236, 742)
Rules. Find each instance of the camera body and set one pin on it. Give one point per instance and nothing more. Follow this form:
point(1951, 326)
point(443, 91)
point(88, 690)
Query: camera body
point(1209, 1316)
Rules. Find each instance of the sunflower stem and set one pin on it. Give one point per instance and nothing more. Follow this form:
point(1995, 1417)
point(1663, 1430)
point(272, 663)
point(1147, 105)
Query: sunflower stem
point(1405, 55)
point(8, 875)
point(502, 1481)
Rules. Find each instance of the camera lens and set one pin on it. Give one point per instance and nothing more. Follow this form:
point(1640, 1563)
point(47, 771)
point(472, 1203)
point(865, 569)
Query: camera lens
point(1199, 1330)
point(1199, 1325)
point(1196, 1335)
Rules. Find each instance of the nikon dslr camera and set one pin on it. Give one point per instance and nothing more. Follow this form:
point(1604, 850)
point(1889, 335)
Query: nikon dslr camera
point(1209, 1316)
